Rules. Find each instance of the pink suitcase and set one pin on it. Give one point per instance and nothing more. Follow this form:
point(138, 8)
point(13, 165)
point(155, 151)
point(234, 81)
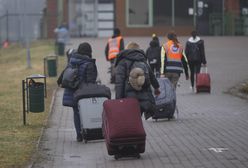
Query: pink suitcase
point(203, 82)
point(123, 128)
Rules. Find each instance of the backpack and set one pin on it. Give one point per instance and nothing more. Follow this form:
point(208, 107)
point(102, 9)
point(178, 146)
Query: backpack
point(139, 75)
point(71, 78)
point(194, 54)
point(153, 54)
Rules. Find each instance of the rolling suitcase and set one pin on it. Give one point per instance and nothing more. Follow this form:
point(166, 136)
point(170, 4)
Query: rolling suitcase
point(165, 101)
point(90, 112)
point(90, 100)
point(123, 128)
point(203, 82)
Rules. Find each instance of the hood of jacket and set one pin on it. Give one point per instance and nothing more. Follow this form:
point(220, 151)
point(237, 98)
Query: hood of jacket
point(132, 55)
point(154, 43)
point(78, 59)
point(192, 40)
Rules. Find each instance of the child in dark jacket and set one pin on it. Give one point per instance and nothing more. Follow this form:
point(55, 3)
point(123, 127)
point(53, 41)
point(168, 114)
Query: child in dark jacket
point(153, 56)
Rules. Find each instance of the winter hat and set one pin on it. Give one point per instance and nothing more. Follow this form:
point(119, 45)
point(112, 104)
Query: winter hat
point(137, 78)
point(85, 49)
point(117, 32)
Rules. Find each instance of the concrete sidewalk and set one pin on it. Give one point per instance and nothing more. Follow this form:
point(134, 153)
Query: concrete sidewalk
point(211, 131)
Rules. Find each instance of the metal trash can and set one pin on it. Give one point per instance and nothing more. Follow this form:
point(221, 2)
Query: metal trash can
point(36, 96)
point(50, 66)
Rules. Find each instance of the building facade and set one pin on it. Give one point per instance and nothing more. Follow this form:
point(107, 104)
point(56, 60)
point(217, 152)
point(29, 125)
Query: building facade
point(97, 18)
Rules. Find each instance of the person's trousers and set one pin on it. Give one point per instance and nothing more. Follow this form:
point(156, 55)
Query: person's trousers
point(155, 69)
point(173, 77)
point(112, 70)
point(77, 122)
point(195, 68)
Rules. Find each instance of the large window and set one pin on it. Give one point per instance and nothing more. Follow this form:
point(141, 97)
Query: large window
point(184, 12)
point(139, 13)
point(162, 12)
point(173, 12)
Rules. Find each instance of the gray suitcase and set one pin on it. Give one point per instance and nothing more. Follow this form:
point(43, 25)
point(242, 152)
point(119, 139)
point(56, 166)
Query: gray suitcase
point(166, 101)
point(90, 111)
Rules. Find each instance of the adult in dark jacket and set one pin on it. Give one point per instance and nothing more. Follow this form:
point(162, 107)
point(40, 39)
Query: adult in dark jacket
point(88, 74)
point(195, 53)
point(123, 88)
point(153, 56)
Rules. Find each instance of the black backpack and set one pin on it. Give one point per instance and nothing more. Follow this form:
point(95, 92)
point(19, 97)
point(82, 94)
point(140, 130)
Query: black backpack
point(153, 55)
point(194, 52)
point(71, 78)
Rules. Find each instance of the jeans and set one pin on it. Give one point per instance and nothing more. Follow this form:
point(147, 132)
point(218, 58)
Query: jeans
point(77, 122)
point(173, 77)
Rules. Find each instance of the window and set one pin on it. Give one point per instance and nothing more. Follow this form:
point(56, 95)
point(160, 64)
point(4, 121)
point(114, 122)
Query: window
point(162, 12)
point(139, 13)
point(182, 14)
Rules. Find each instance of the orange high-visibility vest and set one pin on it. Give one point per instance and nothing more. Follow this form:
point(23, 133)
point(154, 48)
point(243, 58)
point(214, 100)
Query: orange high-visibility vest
point(173, 52)
point(114, 47)
point(174, 55)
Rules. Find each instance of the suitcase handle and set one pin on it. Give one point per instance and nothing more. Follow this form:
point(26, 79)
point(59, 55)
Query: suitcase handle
point(204, 67)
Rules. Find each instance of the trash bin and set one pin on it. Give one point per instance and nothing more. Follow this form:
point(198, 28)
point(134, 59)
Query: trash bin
point(50, 66)
point(36, 96)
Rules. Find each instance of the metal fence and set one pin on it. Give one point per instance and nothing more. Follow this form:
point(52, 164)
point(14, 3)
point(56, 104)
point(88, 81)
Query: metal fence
point(20, 27)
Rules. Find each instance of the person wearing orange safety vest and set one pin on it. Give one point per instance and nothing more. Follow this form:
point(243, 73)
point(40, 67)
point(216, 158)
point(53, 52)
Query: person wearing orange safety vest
point(173, 62)
point(114, 46)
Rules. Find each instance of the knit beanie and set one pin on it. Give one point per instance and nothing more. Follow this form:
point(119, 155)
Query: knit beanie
point(85, 49)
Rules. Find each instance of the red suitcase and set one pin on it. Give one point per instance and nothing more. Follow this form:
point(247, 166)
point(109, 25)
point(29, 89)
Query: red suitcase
point(203, 82)
point(123, 128)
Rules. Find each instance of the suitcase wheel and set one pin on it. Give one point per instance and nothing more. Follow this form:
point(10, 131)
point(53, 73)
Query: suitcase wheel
point(117, 156)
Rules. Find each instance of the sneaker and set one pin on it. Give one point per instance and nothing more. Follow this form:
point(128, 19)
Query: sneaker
point(79, 138)
point(192, 89)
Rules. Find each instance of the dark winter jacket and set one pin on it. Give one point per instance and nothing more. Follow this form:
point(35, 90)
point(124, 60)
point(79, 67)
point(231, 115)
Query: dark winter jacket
point(195, 46)
point(153, 52)
point(88, 73)
point(123, 88)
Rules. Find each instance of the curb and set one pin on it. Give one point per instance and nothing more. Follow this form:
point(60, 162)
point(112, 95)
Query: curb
point(34, 157)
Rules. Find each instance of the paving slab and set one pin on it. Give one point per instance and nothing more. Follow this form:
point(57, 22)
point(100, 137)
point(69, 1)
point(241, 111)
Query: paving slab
point(211, 131)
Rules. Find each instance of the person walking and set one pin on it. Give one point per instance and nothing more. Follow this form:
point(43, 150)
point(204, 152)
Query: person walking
point(114, 46)
point(172, 60)
point(87, 73)
point(141, 89)
point(61, 39)
point(153, 55)
point(195, 53)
